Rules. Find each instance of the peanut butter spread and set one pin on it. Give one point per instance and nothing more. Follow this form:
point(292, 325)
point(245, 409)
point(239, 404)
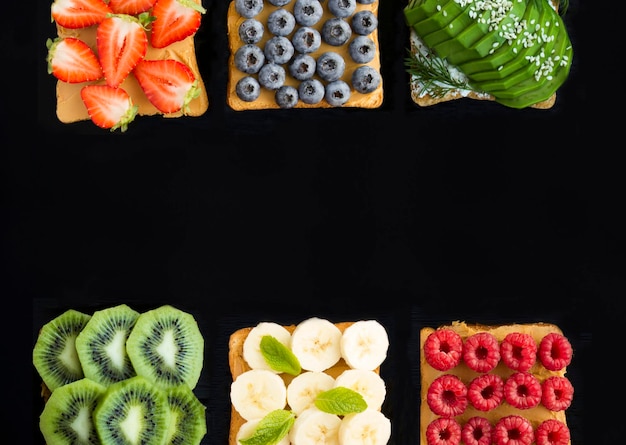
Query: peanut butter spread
point(266, 99)
point(535, 415)
point(70, 107)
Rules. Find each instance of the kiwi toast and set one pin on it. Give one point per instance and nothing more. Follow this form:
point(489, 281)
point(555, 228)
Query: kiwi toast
point(515, 53)
point(468, 372)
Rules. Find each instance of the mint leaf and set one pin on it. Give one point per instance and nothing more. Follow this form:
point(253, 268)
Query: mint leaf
point(278, 356)
point(271, 429)
point(340, 401)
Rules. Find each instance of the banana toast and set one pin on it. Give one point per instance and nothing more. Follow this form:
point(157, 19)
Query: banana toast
point(534, 414)
point(239, 365)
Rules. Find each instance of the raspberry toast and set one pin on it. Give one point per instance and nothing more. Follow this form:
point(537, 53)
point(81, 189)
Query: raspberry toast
point(474, 390)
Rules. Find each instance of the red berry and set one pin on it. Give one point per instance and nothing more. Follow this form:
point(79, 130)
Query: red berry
point(518, 351)
point(522, 390)
point(447, 396)
point(443, 431)
point(552, 432)
point(477, 431)
point(513, 430)
point(555, 351)
point(481, 352)
point(443, 349)
point(557, 393)
point(486, 391)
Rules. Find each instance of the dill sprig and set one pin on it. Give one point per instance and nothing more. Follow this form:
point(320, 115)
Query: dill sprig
point(433, 73)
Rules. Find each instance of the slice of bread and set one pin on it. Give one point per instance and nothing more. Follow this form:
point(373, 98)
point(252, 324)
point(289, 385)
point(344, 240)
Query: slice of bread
point(422, 98)
point(428, 374)
point(266, 100)
point(238, 366)
point(70, 107)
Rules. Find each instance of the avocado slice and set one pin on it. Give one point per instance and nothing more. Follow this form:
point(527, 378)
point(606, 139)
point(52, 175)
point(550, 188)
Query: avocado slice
point(435, 22)
point(418, 10)
point(505, 53)
point(541, 40)
point(490, 41)
point(442, 40)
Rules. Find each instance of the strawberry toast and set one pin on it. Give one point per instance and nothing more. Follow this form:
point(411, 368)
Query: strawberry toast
point(120, 59)
point(484, 385)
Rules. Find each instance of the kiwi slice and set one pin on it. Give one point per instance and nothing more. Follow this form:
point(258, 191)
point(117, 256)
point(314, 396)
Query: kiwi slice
point(67, 416)
point(187, 417)
point(132, 412)
point(167, 347)
point(54, 354)
point(101, 345)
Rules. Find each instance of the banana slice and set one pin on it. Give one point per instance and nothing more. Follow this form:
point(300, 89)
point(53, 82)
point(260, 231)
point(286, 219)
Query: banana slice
point(367, 383)
point(315, 427)
point(304, 388)
point(369, 427)
point(316, 342)
point(247, 430)
point(252, 344)
point(364, 345)
point(257, 392)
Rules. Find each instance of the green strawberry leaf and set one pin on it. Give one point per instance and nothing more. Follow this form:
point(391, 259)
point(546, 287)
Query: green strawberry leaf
point(278, 356)
point(340, 401)
point(271, 429)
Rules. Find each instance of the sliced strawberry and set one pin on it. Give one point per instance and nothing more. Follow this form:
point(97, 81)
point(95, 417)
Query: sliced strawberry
point(122, 42)
point(175, 20)
point(71, 60)
point(169, 85)
point(74, 14)
point(109, 107)
point(132, 7)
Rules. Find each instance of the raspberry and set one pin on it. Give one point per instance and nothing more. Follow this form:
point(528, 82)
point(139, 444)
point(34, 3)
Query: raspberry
point(522, 390)
point(443, 431)
point(513, 430)
point(477, 431)
point(443, 349)
point(481, 352)
point(555, 351)
point(552, 432)
point(518, 351)
point(485, 392)
point(447, 396)
point(557, 393)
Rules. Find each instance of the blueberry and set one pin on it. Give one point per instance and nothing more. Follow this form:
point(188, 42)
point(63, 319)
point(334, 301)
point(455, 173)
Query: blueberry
point(362, 49)
point(330, 66)
point(337, 93)
point(365, 79)
point(336, 31)
point(302, 67)
point(249, 58)
point(364, 22)
point(278, 49)
point(272, 76)
point(281, 22)
point(366, 2)
point(286, 96)
point(251, 31)
point(311, 91)
point(306, 39)
point(248, 89)
point(248, 8)
point(307, 12)
point(279, 3)
point(341, 8)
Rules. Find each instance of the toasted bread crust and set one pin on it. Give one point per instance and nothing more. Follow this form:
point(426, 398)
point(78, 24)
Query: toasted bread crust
point(535, 415)
point(238, 366)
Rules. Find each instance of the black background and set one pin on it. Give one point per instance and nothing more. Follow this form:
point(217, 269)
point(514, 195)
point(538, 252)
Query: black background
point(416, 216)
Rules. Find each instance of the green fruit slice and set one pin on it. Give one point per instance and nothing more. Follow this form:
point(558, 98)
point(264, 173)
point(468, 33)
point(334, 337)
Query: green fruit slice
point(132, 412)
point(66, 418)
point(187, 424)
point(166, 347)
point(437, 21)
point(101, 345)
point(54, 353)
point(418, 10)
